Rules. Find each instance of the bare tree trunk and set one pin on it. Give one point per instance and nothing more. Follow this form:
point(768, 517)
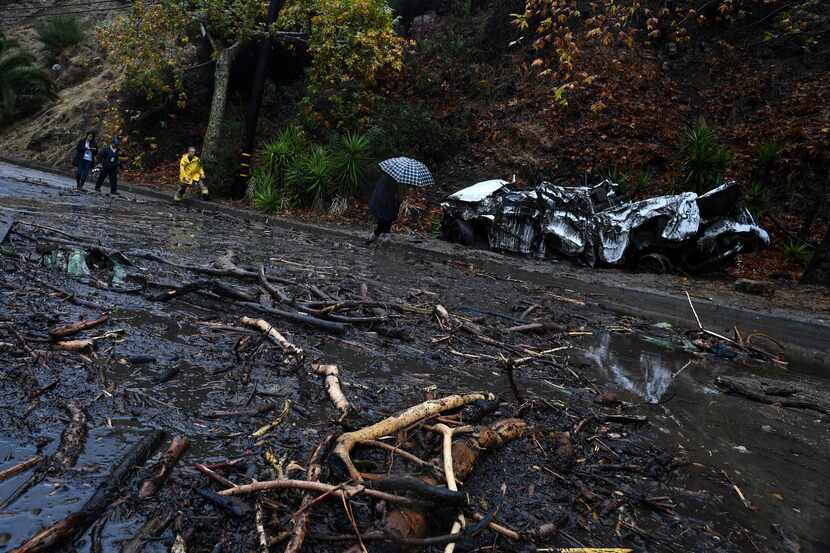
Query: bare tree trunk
point(221, 78)
point(818, 270)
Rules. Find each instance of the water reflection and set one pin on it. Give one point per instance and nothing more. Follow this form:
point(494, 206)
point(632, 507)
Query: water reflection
point(634, 365)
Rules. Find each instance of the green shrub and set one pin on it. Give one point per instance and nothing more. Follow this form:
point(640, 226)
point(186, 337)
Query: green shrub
point(411, 129)
point(796, 253)
point(351, 159)
point(704, 159)
point(310, 177)
point(59, 32)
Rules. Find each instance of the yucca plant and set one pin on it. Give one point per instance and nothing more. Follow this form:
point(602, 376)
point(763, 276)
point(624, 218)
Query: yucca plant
point(704, 159)
point(311, 176)
point(281, 153)
point(20, 79)
point(757, 198)
point(350, 162)
point(266, 196)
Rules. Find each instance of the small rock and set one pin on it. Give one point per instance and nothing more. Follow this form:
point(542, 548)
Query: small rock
point(767, 428)
point(57, 68)
point(740, 449)
point(757, 287)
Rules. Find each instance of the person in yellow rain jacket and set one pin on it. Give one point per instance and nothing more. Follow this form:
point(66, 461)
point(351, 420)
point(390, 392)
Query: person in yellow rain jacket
point(191, 173)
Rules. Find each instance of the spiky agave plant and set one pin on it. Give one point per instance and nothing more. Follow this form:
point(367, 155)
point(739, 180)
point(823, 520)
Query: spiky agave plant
point(281, 153)
point(350, 162)
point(311, 176)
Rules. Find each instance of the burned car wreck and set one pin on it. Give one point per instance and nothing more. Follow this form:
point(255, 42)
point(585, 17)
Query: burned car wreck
point(595, 225)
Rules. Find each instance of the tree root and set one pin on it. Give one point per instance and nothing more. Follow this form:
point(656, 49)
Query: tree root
point(346, 442)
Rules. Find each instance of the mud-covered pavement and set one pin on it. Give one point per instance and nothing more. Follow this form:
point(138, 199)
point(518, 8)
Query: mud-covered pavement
point(630, 442)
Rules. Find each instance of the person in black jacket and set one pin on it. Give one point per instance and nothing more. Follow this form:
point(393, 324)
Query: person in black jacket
point(109, 167)
point(384, 204)
point(84, 161)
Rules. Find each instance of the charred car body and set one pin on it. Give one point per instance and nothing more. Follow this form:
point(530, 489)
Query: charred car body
point(593, 224)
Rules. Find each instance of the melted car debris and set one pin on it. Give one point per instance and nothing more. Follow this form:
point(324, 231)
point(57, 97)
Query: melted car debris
point(593, 224)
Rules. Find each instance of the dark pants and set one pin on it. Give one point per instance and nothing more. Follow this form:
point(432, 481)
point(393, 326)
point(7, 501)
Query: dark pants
point(84, 167)
point(383, 227)
point(112, 173)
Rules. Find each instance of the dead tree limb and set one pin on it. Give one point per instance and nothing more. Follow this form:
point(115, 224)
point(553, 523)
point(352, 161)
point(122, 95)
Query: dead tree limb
point(78, 522)
point(334, 491)
point(20, 467)
point(63, 331)
point(328, 326)
point(332, 376)
point(152, 528)
point(392, 424)
point(312, 475)
point(177, 448)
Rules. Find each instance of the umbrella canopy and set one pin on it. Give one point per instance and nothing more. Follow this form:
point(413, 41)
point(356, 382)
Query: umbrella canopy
point(406, 170)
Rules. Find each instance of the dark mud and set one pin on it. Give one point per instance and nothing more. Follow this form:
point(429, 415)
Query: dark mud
point(666, 484)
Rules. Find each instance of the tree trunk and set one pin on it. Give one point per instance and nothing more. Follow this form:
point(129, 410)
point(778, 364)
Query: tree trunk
point(221, 78)
point(818, 270)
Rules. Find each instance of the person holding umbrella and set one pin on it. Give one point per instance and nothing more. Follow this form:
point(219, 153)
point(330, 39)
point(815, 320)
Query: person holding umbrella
point(385, 202)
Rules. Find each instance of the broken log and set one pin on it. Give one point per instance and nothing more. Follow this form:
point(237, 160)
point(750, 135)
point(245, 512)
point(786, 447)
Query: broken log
point(177, 448)
point(62, 331)
point(312, 475)
point(332, 379)
point(392, 424)
point(78, 522)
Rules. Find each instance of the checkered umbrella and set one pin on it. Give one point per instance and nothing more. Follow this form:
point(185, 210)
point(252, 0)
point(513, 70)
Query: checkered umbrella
point(406, 170)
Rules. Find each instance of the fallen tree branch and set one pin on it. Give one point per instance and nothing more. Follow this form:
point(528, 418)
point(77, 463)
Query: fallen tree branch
point(333, 491)
point(287, 347)
point(449, 474)
point(328, 326)
point(63, 331)
point(392, 424)
point(150, 530)
point(20, 467)
point(332, 379)
point(312, 475)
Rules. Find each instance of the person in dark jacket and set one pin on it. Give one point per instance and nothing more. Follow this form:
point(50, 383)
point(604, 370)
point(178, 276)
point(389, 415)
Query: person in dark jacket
point(84, 161)
point(384, 205)
point(109, 167)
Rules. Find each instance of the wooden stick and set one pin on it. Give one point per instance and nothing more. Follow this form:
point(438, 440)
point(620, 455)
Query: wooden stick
point(459, 522)
point(332, 376)
point(403, 453)
point(392, 424)
point(76, 345)
point(62, 331)
point(275, 336)
point(177, 448)
point(214, 475)
point(499, 529)
point(20, 467)
point(312, 475)
point(345, 491)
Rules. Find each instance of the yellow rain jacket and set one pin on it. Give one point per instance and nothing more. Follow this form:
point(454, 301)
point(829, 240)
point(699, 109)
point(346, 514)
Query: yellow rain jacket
point(190, 169)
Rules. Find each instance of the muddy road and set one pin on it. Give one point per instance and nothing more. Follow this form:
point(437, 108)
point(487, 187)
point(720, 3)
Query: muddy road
point(639, 434)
